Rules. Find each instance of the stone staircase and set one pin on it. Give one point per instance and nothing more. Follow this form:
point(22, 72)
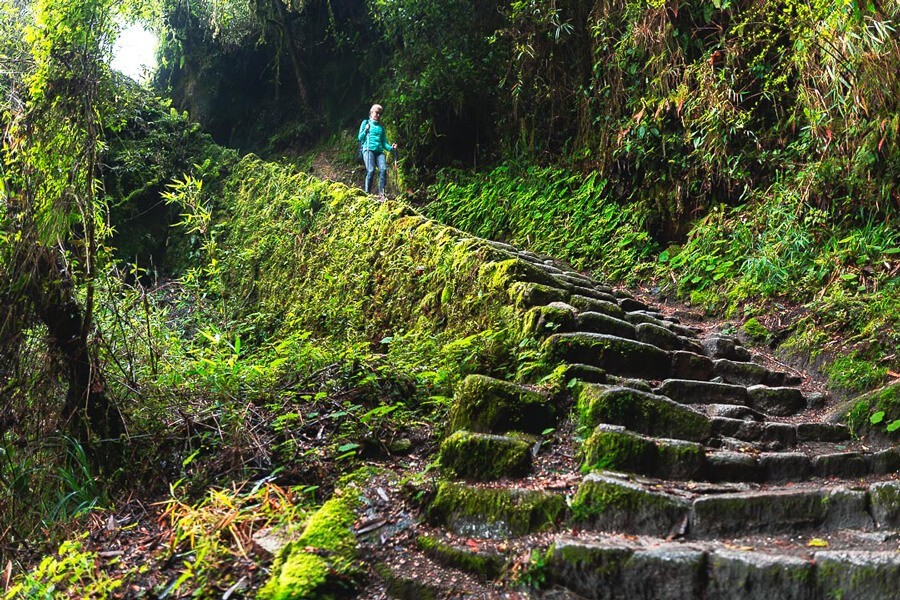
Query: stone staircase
point(671, 466)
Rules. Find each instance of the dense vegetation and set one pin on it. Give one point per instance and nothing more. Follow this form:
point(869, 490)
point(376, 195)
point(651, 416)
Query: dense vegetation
point(168, 303)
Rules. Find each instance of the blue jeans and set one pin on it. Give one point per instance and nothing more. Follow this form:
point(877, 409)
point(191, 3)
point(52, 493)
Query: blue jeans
point(371, 158)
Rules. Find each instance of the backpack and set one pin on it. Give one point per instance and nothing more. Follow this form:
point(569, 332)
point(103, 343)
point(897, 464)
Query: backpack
point(359, 153)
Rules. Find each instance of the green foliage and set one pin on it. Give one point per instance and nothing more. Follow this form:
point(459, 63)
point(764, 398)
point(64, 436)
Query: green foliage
point(548, 210)
point(853, 374)
point(72, 568)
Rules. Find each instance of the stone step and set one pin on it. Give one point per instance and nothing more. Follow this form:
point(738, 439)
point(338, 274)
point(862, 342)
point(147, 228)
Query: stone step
point(639, 411)
point(495, 512)
point(462, 455)
point(776, 401)
point(719, 346)
point(607, 501)
point(595, 322)
point(615, 448)
point(746, 425)
point(616, 568)
point(749, 373)
point(483, 404)
point(615, 355)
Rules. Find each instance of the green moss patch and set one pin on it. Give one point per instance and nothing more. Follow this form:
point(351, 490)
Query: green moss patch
point(611, 504)
point(482, 457)
point(321, 561)
point(495, 513)
point(640, 411)
point(485, 564)
point(487, 405)
point(616, 449)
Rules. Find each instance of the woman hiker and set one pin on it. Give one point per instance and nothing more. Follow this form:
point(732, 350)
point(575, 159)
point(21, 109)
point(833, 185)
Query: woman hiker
point(374, 145)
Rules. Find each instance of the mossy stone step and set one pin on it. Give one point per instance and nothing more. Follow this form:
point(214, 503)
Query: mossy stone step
point(885, 502)
point(609, 571)
point(554, 317)
point(749, 373)
point(658, 570)
point(858, 575)
point(639, 411)
point(595, 322)
point(524, 294)
point(658, 336)
point(486, 405)
point(690, 365)
point(483, 457)
point(585, 304)
point(688, 391)
point(757, 432)
point(607, 503)
point(777, 401)
point(591, 292)
point(615, 355)
point(780, 510)
point(495, 513)
point(482, 564)
point(724, 347)
point(615, 448)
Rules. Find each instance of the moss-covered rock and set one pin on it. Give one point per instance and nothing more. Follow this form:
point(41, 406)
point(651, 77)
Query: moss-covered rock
point(858, 414)
point(542, 321)
point(678, 459)
point(640, 411)
point(595, 322)
point(657, 336)
point(503, 274)
point(615, 448)
point(857, 574)
point(321, 561)
point(524, 294)
point(484, 564)
point(495, 512)
point(885, 501)
point(615, 355)
point(612, 504)
point(482, 457)
point(486, 405)
point(585, 304)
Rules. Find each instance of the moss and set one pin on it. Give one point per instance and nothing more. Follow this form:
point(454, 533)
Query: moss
point(526, 294)
point(486, 405)
point(321, 560)
point(618, 450)
point(854, 374)
point(495, 512)
point(501, 275)
point(616, 505)
point(484, 564)
point(639, 411)
point(755, 330)
point(678, 459)
point(483, 457)
point(887, 400)
point(542, 321)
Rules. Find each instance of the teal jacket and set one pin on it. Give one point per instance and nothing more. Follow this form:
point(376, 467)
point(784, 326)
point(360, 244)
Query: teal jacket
point(376, 141)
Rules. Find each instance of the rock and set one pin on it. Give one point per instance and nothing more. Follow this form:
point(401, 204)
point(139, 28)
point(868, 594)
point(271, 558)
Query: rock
point(486, 405)
point(885, 501)
point(733, 411)
point(495, 513)
point(703, 392)
point(615, 448)
point(689, 365)
point(610, 504)
point(679, 460)
point(732, 466)
point(591, 570)
point(594, 322)
point(503, 274)
point(631, 305)
point(657, 336)
point(484, 564)
point(591, 292)
point(525, 294)
point(884, 461)
point(858, 575)
point(615, 355)
point(635, 384)
point(740, 373)
point(585, 304)
point(785, 466)
point(639, 411)
point(724, 347)
point(482, 457)
point(778, 510)
point(842, 464)
point(668, 572)
point(541, 321)
point(780, 402)
point(585, 373)
point(758, 576)
point(822, 432)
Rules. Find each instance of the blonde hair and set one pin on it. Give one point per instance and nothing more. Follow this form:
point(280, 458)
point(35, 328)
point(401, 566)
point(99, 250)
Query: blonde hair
point(375, 107)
